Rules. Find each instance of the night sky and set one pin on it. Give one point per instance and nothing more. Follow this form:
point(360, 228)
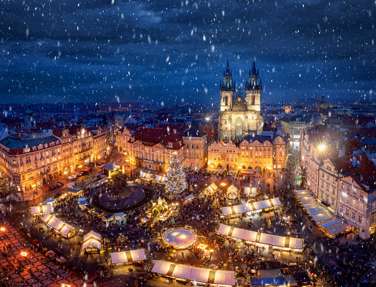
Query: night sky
point(175, 51)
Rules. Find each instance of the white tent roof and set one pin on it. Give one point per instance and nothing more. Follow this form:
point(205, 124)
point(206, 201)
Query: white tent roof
point(61, 227)
point(92, 239)
point(41, 209)
point(198, 274)
point(245, 207)
point(276, 241)
point(66, 230)
point(55, 223)
point(235, 209)
point(125, 257)
point(320, 214)
point(92, 235)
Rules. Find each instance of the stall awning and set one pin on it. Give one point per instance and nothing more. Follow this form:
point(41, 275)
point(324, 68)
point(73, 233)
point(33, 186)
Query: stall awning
point(258, 206)
point(66, 230)
point(54, 223)
point(127, 257)
point(59, 226)
point(260, 238)
point(91, 240)
point(42, 209)
point(320, 214)
point(191, 273)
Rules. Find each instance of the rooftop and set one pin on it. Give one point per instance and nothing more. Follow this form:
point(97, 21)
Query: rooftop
point(12, 142)
point(151, 136)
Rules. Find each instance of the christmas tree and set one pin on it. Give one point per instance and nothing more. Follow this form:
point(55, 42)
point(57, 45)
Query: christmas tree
point(176, 180)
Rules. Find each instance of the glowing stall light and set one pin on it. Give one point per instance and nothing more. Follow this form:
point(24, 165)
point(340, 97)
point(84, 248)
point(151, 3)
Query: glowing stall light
point(322, 147)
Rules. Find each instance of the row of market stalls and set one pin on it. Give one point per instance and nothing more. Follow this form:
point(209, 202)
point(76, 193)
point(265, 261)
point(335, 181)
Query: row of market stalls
point(330, 224)
point(285, 243)
point(59, 226)
point(41, 209)
point(232, 192)
point(127, 257)
point(194, 274)
point(151, 176)
point(205, 276)
point(92, 243)
point(251, 207)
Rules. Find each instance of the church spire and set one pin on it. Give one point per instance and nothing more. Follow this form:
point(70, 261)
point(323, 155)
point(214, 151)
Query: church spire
point(254, 80)
point(227, 83)
point(254, 71)
point(228, 70)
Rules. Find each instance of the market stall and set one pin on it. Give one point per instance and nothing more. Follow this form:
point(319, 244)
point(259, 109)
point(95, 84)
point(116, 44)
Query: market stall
point(128, 257)
point(194, 274)
point(41, 209)
point(251, 207)
point(286, 243)
point(92, 242)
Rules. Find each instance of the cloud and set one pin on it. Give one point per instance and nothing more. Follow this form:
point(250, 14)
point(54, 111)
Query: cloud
point(66, 50)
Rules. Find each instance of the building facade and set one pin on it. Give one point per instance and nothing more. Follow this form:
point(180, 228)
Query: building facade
point(339, 185)
point(151, 149)
point(195, 152)
point(30, 162)
point(240, 116)
point(262, 153)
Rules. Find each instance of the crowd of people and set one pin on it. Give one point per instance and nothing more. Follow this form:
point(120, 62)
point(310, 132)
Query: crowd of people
point(201, 212)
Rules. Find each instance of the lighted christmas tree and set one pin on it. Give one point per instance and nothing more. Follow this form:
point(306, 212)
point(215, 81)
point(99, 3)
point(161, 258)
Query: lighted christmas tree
point(176, 181)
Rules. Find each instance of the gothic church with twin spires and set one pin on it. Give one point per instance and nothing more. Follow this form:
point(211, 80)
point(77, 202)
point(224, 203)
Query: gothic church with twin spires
point(240, 115)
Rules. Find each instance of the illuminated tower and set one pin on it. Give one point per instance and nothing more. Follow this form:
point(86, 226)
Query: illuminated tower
point(227, 90)
point(253, 88)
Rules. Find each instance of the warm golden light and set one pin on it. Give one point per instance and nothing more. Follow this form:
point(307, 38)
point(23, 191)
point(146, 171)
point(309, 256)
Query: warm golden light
point(24, 253)
point(3, 229)
point(321, 147)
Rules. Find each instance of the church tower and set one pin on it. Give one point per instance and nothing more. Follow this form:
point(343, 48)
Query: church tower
point(227, 89)
point(253, 88)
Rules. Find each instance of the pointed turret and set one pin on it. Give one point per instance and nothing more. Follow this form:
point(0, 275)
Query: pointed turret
point(227, 83)
point(254, 71)
point(227, 89)
point(254, 80)
point(253, 88)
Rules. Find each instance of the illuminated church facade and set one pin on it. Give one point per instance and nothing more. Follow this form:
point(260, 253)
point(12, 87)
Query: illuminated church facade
point(240, 115)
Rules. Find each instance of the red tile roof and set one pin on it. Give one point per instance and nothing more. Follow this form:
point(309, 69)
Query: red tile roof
point(168, 138)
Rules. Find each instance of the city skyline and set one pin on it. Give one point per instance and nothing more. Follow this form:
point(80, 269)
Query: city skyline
point(175, 52)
